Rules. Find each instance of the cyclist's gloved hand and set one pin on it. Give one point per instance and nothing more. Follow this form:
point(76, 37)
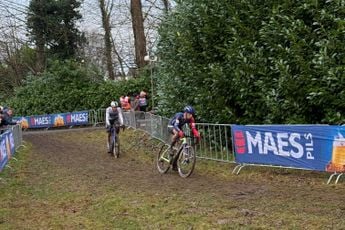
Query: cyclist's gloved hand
point(196, 134)
point(181, 134)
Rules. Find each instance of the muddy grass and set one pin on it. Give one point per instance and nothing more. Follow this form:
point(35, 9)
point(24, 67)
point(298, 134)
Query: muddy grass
point(66, 180)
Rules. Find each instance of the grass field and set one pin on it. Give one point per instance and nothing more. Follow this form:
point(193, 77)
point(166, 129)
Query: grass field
point(66, 180)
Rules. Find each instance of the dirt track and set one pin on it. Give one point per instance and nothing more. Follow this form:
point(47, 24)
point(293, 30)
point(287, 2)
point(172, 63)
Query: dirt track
point(90, 159)
point(258, 196)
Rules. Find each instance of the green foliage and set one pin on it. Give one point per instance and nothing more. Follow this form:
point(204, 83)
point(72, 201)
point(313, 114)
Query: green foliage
point(70, 86)
point(254, 61)
point(55, 22)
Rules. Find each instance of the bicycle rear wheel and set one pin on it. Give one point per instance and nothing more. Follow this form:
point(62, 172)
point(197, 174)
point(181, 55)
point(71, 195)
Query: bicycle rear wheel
point(163, 160)
point(186, 161)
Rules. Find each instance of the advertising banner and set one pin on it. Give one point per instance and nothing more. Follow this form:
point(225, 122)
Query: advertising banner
point(42, 121)
point(54, 120)
point(7, 148)
point(11, 145)
point(78, 118)
point(313, 147)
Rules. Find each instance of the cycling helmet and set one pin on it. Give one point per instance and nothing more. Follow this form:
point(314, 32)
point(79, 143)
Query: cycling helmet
point(114, 104)
point(189, 109)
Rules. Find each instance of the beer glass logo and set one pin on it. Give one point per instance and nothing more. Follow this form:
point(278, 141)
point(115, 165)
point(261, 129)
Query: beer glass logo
point(59, 121)
point(240, 142)
point(24, 123)
point(338, 155)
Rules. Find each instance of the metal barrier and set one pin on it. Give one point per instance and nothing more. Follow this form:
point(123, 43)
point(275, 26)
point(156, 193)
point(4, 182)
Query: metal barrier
point(17, 135)
point(216, 142)
point(99, 117)
point(92, 117)
point(214, 145)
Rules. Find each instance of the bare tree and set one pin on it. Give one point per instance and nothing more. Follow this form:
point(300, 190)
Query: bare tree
point(121, 62)
point(138, 32)
point(166, 5)
point(124, 51)
point(106, 9)
point(16, 59)
point(94, 50)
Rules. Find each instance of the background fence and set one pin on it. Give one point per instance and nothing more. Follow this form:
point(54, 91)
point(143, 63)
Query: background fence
point(215, 143)
point(308, 147)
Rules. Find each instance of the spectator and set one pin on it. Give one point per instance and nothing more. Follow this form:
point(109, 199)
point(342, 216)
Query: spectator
point(142, 101)
point(125, 103)
point(6, 118)
point(135, 104)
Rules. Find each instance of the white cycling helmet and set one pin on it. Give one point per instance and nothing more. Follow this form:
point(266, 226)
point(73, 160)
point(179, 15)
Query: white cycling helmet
point(114, 104)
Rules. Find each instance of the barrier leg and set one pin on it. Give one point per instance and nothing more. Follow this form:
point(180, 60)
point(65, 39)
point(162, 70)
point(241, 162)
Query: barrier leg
point(330, 177)
point(338, 177)
point(238, 168)
point(20, 146)
point(234, 170)
point(7, 166)
point(238, 171)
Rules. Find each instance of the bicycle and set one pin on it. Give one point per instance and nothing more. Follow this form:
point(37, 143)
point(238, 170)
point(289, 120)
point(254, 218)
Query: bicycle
point(114, 141)
point(185, 158)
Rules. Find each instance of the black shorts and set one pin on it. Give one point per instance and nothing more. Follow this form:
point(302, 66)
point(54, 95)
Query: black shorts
point(171, 129)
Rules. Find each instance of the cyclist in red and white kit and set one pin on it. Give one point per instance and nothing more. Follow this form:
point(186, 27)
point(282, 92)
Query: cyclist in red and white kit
point(177, 122)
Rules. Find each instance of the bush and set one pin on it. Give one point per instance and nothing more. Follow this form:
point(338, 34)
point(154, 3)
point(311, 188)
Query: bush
point(69, 86)
point(254, 61)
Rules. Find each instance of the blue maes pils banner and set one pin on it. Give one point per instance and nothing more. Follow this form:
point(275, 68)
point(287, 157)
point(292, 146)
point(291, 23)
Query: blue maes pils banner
point(313, 147)
point(77, 118)
point(7, 148)
point(54, 120)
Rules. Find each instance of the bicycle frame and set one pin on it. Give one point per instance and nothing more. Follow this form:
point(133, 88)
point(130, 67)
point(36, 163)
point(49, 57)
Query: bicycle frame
point(183, 143)
point(184, 158)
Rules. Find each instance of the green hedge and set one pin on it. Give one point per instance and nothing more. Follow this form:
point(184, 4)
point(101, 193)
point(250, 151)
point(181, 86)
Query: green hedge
point(70, 86)
point(255, 61)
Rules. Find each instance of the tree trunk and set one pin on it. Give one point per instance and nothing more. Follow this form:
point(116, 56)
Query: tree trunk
point(40, 45)
point(106, 11)
point(166, 5)
point(40, 54)
point(139, 34)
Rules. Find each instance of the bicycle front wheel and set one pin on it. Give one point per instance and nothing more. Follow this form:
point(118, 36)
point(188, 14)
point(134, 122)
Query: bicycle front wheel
point(116, 148)
point(163, 160)
point(186, 161)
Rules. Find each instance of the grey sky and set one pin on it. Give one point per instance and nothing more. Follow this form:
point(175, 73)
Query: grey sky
point(14, 12)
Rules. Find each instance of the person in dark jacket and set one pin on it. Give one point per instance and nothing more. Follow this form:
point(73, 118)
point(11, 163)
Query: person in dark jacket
point(6, 118)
